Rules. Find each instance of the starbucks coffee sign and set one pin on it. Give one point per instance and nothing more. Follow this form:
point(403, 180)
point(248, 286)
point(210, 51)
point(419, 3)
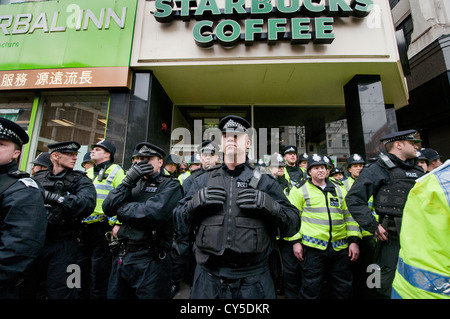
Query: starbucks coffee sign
point(299, 22)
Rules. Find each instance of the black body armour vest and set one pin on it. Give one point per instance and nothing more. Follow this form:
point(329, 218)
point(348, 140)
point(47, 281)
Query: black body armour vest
point(391, 198)
point(146, 235)
point(232, 230)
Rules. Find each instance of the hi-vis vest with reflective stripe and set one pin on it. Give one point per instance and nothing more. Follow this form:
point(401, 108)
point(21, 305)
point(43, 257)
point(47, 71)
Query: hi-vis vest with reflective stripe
point(183, 176)
point(348, 184)
point(423, 269)
point(325, 218)
point(115, 176)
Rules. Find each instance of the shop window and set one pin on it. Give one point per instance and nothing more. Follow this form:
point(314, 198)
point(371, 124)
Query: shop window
point(17, 108)
point(80, 118)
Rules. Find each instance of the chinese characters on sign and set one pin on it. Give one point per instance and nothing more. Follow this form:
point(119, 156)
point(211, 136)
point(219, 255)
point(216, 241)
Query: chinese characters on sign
point(64, 78)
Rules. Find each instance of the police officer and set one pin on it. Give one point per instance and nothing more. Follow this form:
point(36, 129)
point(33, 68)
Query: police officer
point(41, 162)
point(433, 157)
point(70, 196)
point(389, 179)
point(194, 164)
point(293, 172)
point(23, 218)
point(291, 267)
point(143, 204)
point(238, 212)
point(330, 236)
point(423, 270)
point(87, 162)
point(422, 160)
point(94, 254)
point(172, 163)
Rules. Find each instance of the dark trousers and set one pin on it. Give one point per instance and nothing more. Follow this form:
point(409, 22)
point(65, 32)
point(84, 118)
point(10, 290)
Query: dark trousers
point(94, 258)
point(292, 270)
point(53, 272)
point(140, 275)
point(387, 259)
point(258, 285)
point(330, 265)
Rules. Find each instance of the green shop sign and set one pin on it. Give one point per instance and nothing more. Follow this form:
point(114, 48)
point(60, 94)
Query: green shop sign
point(66, 34)
point(299, 22)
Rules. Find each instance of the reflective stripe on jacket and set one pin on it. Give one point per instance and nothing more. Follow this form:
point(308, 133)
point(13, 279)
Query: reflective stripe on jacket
point(423, 269)
point(114, 177)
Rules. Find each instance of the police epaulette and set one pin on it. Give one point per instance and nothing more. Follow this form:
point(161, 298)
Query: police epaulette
point(18, 174)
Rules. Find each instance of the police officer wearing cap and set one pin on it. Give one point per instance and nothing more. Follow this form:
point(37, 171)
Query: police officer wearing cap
point(433, 157)
point(94, 255)
point(23, 218)
point(294, 173)
point(41, 162)
point(69, 197)
point(143, 204)
point(194, 164)
point(389, 179)
point(422, 160)
point(237, 213)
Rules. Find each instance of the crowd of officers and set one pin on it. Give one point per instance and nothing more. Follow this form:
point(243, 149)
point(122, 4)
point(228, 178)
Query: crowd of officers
point(296, 226)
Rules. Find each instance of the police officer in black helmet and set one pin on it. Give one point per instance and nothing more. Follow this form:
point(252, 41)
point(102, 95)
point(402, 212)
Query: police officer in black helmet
point(389, 179)
point(143, 204)
point(238, 212)
point(70, 196)
point(23, 218)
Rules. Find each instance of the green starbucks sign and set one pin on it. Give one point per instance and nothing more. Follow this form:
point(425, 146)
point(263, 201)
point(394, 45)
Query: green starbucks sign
point(301, 23)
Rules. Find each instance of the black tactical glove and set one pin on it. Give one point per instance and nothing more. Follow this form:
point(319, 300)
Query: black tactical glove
point(205, 199)
point(136, 171)
point(258, 203)
point(52, 198)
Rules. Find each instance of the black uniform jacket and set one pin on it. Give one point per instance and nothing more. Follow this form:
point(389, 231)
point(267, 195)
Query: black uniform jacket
point(154, 212)
point(374, 176)
point(80, 196)
point(224, 235)
point(23, 222)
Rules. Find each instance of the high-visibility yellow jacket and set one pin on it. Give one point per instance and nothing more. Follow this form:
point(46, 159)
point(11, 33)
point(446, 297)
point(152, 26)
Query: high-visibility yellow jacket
point(324, 216)
point(114, 177)
point(183, 176)
point(423, 270)
point(348, 184)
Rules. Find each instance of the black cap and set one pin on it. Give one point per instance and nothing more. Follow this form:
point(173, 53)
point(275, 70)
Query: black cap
point(208, 146)
point(87, 158)
point(430, 154)
point(276, 160)
point(173, 159)
point(195, 159)
point(12, 131)
point(408, 135)
point(43, 159)
point(149, 149)
point(108, 146)
point(316, 159)
point(235, 124)
point(289, 149)
point(64, 147)
point(355, 159)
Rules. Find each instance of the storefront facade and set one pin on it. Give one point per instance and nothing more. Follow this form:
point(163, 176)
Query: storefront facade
point(62, 64)
point(323, 75)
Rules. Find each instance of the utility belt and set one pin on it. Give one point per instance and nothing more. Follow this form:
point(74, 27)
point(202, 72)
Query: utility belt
point(124, 246)
point(391, 223)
